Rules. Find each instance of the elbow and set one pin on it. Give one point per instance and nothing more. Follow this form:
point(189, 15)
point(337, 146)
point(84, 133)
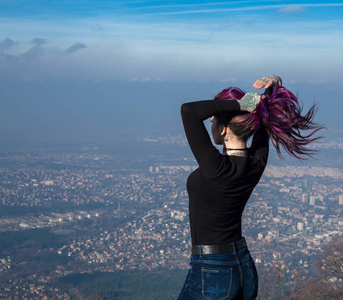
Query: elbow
point(185, 109)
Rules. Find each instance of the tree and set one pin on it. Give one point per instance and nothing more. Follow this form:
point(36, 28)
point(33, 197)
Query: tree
point(272, 285)
point(328, 274)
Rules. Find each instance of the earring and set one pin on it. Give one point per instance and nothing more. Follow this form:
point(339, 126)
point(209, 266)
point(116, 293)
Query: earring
point(226, 138)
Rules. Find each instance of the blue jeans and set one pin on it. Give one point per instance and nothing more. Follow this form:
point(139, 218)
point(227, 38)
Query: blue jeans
point(221, 276)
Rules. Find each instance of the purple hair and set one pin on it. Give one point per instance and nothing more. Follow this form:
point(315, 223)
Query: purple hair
point(281, 115)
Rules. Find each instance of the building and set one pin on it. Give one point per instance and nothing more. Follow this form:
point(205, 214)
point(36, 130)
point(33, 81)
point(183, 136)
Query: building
point(340, 200)
point(312, 200)
point(305, 198)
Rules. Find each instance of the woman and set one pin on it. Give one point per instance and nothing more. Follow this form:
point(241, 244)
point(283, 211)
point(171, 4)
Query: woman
point(221, 265)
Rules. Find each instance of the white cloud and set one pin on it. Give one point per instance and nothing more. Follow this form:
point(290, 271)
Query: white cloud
point(33, 52)
point(224, 57)
point(39, 41)
point(279, 7)
point(6, 44)
point(146, 79)
point(293, 9)
point(228, 80)
point(221, 10)
point(75, 47)
point(192, 5)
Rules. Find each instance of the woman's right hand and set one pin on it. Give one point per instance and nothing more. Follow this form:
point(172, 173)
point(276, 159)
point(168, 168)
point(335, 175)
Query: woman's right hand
point(266, 82)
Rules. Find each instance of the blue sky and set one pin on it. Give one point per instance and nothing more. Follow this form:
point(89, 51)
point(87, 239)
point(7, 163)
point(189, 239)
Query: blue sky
point(171, 40)
point(96, 64)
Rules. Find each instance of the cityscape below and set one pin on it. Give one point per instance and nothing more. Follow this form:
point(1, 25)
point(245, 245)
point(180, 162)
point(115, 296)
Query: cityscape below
point(93, 210)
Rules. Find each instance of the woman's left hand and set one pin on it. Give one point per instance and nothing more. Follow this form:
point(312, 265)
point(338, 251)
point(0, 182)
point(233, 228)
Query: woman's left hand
point(266, 82)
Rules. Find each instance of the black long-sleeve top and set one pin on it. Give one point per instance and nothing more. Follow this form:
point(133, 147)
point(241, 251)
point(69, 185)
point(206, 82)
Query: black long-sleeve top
point(221, 186)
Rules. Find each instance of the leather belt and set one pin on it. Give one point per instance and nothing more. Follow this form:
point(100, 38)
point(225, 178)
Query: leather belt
point(215, 249)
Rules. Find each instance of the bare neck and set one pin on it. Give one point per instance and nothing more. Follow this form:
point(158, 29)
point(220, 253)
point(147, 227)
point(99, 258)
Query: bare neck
point(234, 146)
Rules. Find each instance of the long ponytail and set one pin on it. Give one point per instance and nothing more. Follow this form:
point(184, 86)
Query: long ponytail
point(281, 114)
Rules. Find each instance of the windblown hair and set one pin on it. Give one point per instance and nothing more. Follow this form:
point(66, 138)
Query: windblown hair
point(281, 114)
